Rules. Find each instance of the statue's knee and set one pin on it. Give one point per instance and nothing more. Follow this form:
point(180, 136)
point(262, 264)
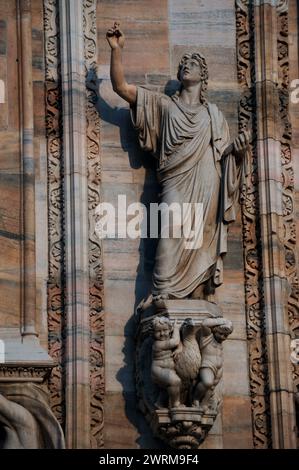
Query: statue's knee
point(175, 381)
point(208, 381)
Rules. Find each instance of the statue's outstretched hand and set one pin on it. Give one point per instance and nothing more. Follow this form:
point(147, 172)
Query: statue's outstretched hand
point(115, 36)
point(241, 144)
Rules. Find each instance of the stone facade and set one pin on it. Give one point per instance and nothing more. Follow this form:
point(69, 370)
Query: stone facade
point(63, 151)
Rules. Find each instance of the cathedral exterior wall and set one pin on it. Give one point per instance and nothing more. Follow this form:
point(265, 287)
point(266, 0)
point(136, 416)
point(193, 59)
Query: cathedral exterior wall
point(67, 299)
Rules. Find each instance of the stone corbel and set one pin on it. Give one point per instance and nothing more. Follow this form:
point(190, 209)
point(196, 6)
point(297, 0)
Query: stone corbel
point(180, 404)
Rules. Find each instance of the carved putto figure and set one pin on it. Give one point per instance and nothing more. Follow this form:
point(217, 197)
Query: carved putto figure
point(167, 338)
point(213, 332)
point(187, 362)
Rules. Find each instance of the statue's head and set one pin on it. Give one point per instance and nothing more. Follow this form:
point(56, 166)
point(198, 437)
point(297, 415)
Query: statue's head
point(193, 69)
point(221, 332)
point(162, 328)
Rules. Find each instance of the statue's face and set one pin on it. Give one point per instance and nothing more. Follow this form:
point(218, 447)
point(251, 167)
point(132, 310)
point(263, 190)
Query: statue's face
point(162, 333)
point(220, 335)
point(190, 71)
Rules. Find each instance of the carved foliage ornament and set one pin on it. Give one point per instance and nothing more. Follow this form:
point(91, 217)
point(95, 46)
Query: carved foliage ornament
point(95, 250)
point(251, 233)
point(56, 317)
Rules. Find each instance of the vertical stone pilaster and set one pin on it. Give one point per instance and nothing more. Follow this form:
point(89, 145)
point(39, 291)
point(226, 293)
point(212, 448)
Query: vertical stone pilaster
point(257, 351)
point(76, 224)
point(28, 199)
point(274, 280)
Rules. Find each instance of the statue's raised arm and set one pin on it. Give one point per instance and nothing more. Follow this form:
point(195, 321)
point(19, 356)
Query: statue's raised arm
point(116, 40)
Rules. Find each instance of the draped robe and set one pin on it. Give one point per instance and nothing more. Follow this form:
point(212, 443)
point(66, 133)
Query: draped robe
point(188, 142)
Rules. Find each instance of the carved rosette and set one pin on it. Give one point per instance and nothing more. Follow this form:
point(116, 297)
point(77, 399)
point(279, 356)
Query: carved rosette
point(95, 250)
point(251, 232)
point(55, 203)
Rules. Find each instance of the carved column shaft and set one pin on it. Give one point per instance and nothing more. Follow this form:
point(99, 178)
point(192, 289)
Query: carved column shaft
point(275, 286)
point(28, 271)
point(76, 224)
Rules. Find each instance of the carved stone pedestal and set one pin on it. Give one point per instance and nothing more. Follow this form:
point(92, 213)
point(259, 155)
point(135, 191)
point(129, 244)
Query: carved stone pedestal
point(183, 428)
point(178, 373)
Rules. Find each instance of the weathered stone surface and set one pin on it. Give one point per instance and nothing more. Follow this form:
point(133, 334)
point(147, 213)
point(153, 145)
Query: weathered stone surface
point(10, 188)
point(236, 422)
point(235, 372)
point(119, 364)
point(125, 427)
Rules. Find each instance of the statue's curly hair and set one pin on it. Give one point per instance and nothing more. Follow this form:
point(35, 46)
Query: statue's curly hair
point(162, 321)
point(204, 73)
point(226, 328)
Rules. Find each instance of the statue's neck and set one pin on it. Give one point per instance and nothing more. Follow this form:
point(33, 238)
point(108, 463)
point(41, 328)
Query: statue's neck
point(190, 94)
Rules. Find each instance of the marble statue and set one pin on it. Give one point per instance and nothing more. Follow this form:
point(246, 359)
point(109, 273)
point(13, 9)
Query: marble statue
point(167, 338)
point(213, 332)
point(196, 164)
point(26, 420)
point(187, 358)
point(179, 366)
point(187, 361)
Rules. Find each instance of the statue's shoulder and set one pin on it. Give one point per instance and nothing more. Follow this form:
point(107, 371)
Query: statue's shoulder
point(213, 109)
point(153, 91)
point(215, 112)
